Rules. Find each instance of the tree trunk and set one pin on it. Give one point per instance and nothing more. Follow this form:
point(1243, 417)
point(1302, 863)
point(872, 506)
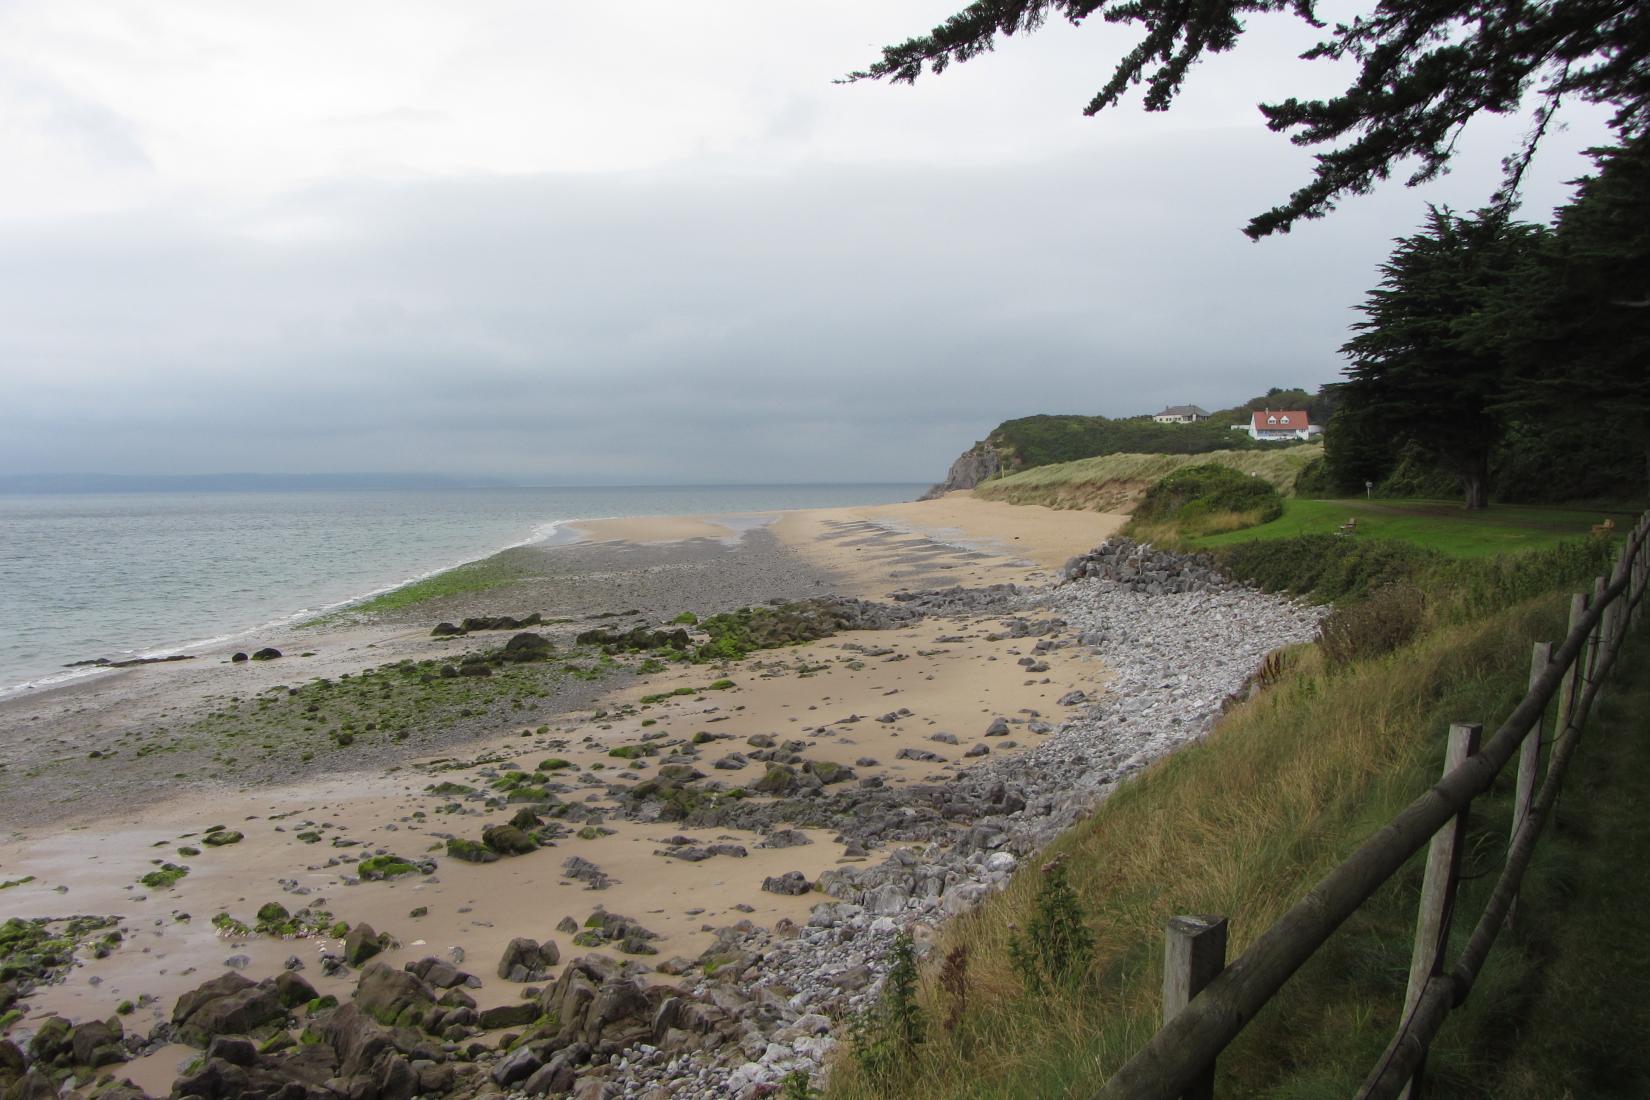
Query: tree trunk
point(1475, 483)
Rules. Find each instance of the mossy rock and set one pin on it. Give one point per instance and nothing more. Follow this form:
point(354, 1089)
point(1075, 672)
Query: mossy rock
point(273, 912)
point(449, 788)
point(222, 839)
point(166, 875)
point(470, 851)
point(828, 772)
point(554, 764)
point(778, 780)
point(385, 867)
point(508, 840)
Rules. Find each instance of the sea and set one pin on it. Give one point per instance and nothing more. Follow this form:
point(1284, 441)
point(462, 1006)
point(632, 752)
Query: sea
point(145, 574)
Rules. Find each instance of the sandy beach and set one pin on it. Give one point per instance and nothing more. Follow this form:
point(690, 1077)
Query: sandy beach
point(106, 780)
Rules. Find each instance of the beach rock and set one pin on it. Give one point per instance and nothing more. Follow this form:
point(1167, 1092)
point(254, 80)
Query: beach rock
point(785, 838)
point(238, 657)
point(791, 883)
point(582, 870)
point(292, 989)
point(977, 750)
point(997, 728)
point(780, 779)
point(393, 997)
point(226, 1005)
point(515, 1014)
point(526, 960)
point(470, 851)
point(268, 653)
point(361, 944)
point(527, 646)
point(508, 840)
point(98, 1043)
point(235, 1051)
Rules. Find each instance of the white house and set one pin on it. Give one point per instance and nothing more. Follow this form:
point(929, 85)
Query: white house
point(1274, 424)
point(1181, 414)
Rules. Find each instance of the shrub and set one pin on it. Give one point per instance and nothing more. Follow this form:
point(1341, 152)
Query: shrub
point(1201, 500)
point(1386, 620)
point(1325, 567)
point(1315, 482)
point(886, 1038)
point(1057, 944)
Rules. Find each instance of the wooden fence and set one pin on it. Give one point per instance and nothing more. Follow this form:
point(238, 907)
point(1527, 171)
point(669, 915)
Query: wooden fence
point(1206, 1003)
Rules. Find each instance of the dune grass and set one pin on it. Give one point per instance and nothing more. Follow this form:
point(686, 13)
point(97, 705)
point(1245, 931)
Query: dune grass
point(1112, 483)
point(1438, 525)
point(1242, 825)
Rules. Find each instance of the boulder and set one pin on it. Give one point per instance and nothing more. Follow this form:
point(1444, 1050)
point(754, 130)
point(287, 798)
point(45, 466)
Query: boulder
point(515, 1014)
point(226, 1005)
point(394, 997)
point(292, 989)
point(790, 883)
point(526, 960)
point(268, 653)
point(508, 840)
point(97, 1043)
point(527, 646)
point(361, 944)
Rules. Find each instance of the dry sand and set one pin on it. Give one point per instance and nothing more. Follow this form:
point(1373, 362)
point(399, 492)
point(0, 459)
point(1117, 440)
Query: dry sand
point(950, 676)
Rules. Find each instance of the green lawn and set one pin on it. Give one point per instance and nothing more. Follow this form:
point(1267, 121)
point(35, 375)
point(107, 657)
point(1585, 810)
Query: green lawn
point(1437, 524)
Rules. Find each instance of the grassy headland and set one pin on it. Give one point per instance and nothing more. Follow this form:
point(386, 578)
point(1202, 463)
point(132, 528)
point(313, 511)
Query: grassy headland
point(1347, 732)
point(1114, 482)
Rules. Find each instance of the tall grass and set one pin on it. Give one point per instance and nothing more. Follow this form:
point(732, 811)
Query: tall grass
point(1113, 483)
point(1242, 825)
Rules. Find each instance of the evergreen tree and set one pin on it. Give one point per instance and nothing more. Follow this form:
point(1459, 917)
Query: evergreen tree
point(1419, 372)
point(1425, 69)
point(1575, 324)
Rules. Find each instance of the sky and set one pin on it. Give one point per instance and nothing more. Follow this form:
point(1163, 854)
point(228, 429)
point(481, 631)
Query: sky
point(642, 243)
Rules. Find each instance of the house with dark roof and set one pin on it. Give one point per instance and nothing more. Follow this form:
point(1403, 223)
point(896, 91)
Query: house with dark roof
point(1181, 414)
point(1275, 424)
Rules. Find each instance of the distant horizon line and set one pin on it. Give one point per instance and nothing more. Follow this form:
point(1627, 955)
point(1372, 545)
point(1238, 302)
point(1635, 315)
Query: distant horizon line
point(98, 481)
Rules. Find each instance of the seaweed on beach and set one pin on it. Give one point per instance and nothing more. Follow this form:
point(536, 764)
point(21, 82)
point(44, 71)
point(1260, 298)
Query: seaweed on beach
point(404, 701)
point(40, 950)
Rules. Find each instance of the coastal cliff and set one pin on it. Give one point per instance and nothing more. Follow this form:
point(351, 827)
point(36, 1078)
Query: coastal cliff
point(977, 464)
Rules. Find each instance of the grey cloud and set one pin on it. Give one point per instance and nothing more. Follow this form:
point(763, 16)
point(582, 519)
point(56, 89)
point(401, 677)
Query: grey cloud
point(831, 322)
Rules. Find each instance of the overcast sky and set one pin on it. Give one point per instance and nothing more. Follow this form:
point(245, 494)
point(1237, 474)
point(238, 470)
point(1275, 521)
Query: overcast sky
point(648, 242)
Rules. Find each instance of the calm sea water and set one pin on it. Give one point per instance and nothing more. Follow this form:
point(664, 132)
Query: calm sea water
point(142, 574)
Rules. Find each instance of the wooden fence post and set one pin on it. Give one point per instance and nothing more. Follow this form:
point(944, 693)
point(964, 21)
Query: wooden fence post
point(1594, 646)
point(1194, 953)
point(1529, 756)
point(1438, 892)
point(1570, 688)
point(1641, 569)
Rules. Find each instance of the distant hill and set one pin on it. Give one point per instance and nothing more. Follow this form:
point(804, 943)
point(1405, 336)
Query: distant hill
point(1044, 440)
point(233, 483)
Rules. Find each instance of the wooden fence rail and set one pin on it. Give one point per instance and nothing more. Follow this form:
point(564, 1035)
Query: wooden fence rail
point(1179, 1060)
